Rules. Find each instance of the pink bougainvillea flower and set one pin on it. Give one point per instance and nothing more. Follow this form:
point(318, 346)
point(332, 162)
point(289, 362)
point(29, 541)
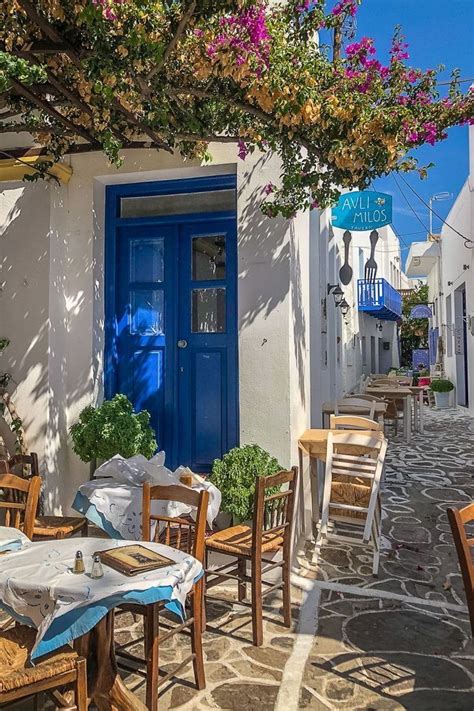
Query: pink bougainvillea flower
point(269, 189)
point(243, 150)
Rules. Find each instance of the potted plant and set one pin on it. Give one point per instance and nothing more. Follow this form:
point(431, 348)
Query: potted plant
point(441, 389)
point(234, 475)
point(112, 428)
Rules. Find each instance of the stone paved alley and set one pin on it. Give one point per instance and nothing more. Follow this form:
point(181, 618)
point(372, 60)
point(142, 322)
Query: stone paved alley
point(397, 642)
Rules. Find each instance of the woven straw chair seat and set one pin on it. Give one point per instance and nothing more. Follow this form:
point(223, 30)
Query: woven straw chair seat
point(50, 526)
point(15, 647)
point(343, 492)
point(237, 540)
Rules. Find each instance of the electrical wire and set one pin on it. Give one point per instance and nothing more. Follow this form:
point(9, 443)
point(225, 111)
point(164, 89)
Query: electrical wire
point(426, 229)
point(466, 239)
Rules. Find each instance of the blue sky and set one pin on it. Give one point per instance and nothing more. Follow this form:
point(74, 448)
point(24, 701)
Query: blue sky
point(438, 32)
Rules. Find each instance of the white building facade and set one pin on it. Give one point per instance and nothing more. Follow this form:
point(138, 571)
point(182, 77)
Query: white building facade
point(164, 280)
point(447, 260)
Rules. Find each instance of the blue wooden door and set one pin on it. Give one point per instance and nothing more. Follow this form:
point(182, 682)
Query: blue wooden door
point(207, 343)
point(175, 349)
point(146, 286)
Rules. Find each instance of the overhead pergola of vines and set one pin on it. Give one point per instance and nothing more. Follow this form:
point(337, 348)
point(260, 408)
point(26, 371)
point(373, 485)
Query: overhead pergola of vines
point(177, 75)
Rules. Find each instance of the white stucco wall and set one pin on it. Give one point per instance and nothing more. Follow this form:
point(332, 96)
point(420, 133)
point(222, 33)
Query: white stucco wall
point(52, 238)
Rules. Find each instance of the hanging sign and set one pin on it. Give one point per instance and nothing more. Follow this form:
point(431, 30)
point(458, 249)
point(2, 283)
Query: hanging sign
point(362, 211)
point(421, 311)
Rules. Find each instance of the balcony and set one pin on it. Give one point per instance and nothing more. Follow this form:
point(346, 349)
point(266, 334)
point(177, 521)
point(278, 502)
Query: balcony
point(379, 299)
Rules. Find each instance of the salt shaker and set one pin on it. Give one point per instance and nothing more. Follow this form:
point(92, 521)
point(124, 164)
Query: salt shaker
point(79, 563)
point(97, 570)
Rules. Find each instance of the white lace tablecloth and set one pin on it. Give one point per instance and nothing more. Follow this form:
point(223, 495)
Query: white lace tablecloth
point(115, 503)
point(38, 587)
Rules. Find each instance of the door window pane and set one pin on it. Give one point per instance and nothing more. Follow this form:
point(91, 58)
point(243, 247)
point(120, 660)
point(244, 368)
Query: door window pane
point(208, 257)
point(147, 316)
point(208, 311)
point(147, 259)
point(178, 203)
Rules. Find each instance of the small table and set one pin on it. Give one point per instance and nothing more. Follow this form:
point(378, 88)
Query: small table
point(314, 443)
point(404, 394)
point(116, 507)
point(38, 588)
point(329, 408)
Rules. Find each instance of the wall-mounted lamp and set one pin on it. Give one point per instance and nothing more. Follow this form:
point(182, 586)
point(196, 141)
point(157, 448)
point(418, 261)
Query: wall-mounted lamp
point(379, 326)
point(344, 306)
point(337, 292)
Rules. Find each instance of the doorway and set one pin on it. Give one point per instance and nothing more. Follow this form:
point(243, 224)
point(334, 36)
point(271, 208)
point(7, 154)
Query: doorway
point(171, 312)
point(460, 346)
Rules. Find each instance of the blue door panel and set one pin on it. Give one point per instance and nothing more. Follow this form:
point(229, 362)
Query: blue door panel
point(208, 392)
point(171, 327)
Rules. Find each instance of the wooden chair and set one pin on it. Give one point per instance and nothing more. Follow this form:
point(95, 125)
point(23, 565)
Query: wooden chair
point(188, 535)
point(458, 518)
point(26, 465)
point(384, 382)
point(18, 679)
point(20, 501)
point(351, 495)
point(271, 531)
point(355, 406)
point(353, 422)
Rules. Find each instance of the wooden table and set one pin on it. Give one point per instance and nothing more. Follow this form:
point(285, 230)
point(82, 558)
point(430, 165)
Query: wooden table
point(329, 407)
point(41, 584)
point(313, 443)
point(404, 394)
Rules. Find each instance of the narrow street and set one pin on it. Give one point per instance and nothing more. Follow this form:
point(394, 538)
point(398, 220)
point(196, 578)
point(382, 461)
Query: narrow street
point(397, 642)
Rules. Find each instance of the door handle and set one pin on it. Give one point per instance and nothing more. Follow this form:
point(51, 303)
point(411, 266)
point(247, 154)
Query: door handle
point(182, 343)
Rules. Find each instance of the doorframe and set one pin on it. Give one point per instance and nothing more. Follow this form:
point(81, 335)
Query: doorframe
point(112, 220)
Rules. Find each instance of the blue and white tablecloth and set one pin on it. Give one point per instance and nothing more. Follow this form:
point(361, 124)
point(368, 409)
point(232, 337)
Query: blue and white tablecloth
point(38, 587)
point(11, 539)
point(115, 503)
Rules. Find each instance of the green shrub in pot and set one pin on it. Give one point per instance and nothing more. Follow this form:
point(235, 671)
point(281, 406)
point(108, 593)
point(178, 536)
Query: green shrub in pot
point(234, 475)
point(441, 386)
point(113, 428)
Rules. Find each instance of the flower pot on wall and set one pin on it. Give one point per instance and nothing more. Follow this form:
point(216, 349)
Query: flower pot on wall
point(442, 399)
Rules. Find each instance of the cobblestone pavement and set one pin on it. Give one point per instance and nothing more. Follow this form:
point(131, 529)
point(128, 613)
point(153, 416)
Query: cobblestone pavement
point(399, 641)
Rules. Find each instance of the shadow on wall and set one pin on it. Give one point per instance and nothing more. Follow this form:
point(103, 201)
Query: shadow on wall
point(38, 310)
point(269, 267)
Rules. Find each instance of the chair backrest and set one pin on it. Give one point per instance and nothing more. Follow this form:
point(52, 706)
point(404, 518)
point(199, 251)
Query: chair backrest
point(273, 511)
point(458, 518)
point(369, 398)
point(353, 422)
point(19, 463)
point(355, 406)
point(354, 462)
point(180, 532)
point(383, 382)
point(19, 501)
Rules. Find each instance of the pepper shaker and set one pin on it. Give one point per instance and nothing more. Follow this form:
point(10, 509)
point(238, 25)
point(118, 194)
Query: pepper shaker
point(97, 570)
point(79, 564)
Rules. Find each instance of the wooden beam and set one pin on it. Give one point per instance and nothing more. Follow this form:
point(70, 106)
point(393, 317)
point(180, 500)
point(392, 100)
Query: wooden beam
point(188, 13)
point(74, 149)
point(44, 106)
point(61, 88)
point(50, 32)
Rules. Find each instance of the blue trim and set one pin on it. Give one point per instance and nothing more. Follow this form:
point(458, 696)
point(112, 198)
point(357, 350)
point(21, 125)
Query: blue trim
point(115, 225)
point(379, 299)
point(72, 625)
point(82, 505)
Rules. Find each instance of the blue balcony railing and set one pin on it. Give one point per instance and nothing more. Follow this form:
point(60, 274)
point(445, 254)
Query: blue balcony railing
point(379, 299)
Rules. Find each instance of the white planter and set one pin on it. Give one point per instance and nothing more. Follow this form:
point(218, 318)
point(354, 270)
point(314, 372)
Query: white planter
point(442, 399)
